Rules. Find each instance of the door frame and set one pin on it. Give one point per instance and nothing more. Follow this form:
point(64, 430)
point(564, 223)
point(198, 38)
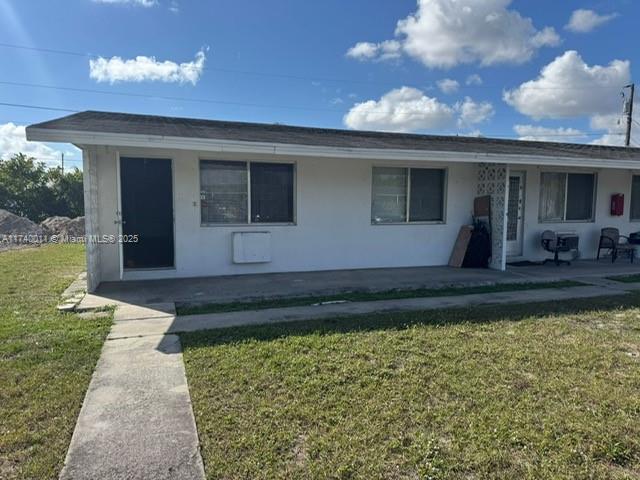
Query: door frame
point(118, 221)
point(518, 244)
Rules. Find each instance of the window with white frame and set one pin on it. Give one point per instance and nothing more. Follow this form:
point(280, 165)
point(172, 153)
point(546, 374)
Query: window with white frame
point(567, 197)
point(404, 195)
point(634, 211)
point(246, 192)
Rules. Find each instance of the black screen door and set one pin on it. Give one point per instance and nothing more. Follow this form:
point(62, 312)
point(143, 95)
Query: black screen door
point(147, 211)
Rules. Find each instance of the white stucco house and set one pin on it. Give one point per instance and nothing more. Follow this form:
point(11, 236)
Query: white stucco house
point(208, 198)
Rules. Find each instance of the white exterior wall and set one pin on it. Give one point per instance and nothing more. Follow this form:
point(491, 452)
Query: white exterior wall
point(609, 181)
point(333, 219)
point(92, 215)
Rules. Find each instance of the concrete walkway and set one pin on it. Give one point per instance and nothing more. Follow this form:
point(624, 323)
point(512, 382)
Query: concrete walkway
point(146, 321)
point(136, 421)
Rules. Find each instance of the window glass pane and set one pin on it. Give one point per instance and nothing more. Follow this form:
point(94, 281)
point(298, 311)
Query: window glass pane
point(635, 198)
point(271, 193)
point(426, 197)
point(552, 190)
point(389, 202)
point(580, 196)
point(223, 192)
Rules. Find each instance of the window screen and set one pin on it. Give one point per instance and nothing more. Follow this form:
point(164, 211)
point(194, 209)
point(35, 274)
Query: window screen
point(223, 192)
point(271, 193)
point(552, 191)
point(389, 202)
point(580, 196)
point(426, 195)
point(566, 196)
point(635, 198)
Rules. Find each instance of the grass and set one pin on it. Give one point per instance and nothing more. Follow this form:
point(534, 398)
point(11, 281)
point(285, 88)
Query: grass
point(626, 278)
point(46, 360)
point(365, 296)
point(538, 391)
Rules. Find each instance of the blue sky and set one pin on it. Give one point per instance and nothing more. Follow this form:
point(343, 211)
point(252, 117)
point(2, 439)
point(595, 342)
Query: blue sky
point(334, 63)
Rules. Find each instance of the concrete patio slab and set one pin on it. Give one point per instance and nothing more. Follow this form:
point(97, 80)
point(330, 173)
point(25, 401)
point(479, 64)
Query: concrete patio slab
point(136, 421)
point(93, 302)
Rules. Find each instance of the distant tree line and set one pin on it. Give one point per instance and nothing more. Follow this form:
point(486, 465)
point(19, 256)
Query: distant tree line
point(29, 189)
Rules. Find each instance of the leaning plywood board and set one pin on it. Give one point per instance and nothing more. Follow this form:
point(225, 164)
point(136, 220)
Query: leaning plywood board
point(460, 247)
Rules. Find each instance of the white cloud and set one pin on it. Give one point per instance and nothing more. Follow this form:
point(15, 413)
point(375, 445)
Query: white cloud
point(448, 85)
point(174, 6)
point(446, 33)
point(146, 69)
point(474, 79)
point(472, 112)
point(13, 140)
point(387, 50)
point(568, 87)
point(140, 3)
point(584, 21)
point(403, 109)
point(546, 134)
point(408, 109)
point(547, 37)
point(615, 126)
point(473, 133)
point(609, 139)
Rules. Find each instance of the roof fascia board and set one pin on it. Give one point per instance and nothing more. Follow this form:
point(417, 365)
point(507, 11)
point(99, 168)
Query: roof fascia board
point(237, 146)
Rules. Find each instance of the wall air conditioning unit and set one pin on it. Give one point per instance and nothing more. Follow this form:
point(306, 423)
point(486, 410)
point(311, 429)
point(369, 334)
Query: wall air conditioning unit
point(251, 247)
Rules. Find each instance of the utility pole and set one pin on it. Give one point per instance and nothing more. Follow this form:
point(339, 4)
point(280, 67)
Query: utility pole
point(628, 110)
point(62, 163)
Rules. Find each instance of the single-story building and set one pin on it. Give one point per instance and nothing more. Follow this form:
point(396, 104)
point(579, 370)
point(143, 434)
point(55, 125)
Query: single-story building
point(191, 197)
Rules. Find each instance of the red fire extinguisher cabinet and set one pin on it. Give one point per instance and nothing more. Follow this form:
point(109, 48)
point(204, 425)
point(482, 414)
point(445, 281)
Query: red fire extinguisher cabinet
point(617, 204)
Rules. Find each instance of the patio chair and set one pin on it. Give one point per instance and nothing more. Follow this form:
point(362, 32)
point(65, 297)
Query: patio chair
point(610, 239)
point(551, 243)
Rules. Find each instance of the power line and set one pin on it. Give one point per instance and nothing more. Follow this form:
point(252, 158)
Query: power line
point(38, 107)
point(304, 77)
point(46, 50)
point(171, 98)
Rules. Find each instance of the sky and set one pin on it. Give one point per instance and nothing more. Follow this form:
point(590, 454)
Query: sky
point(538, 70)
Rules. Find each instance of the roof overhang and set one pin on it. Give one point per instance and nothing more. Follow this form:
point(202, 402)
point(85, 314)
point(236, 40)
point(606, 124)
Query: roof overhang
point(288, 149)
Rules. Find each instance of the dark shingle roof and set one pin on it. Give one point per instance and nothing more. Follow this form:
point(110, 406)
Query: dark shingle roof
point(110, 122)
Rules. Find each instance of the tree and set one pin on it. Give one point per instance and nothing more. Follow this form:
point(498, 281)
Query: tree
point(67, 191)
point(29, 189)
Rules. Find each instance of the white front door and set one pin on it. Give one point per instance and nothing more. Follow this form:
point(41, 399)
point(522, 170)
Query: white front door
point(515, 214)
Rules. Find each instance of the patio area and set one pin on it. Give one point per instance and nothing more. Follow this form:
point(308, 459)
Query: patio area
point(224, 289)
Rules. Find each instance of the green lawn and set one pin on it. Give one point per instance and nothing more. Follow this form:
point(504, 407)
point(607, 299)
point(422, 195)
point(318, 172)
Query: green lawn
point(626, 278)
point(364, 296)
point(46, 360)
point(540, 391)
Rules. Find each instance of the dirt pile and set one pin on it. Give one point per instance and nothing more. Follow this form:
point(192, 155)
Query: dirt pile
point(11, 224)
point(65, 226)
